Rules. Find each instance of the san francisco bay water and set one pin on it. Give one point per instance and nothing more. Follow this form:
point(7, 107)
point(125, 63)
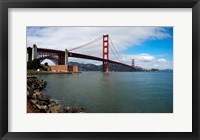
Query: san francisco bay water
point(115, 92)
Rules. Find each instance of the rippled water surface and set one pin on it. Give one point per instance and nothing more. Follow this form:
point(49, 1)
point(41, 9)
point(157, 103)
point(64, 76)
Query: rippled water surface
point(116, 92)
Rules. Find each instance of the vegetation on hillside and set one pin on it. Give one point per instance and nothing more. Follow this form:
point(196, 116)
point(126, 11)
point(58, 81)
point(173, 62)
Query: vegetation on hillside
point(35, 64)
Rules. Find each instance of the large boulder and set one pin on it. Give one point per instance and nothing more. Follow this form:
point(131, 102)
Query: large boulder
point(43, 108)
point(56, 109)
point(44, 98)
point(74, 109)
point(53, 103)
point(28, 94)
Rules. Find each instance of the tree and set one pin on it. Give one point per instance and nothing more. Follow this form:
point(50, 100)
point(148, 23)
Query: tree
point(34, 64)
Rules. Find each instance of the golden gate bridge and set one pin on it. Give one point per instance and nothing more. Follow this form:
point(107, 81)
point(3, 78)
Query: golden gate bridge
point(61, 57)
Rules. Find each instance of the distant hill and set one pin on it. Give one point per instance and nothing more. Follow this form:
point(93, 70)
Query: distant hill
point(112, 67)
point(167, 70)
point(85, 67)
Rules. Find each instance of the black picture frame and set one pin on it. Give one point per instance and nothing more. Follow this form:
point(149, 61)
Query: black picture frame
point(6, 4)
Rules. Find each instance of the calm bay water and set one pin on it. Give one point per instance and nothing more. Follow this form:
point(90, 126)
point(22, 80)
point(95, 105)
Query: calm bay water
point(116, 92)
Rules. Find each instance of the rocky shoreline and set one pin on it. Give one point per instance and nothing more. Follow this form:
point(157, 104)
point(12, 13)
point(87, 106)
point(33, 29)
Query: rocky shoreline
point(37, 102)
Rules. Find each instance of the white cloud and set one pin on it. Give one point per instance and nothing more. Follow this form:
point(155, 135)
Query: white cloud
point(148, 61)
point(145, 57)
point(162, 60)
point(70, 37)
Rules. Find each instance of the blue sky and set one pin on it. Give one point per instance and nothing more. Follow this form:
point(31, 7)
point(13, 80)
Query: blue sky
point(151, 47)
point(160, 48)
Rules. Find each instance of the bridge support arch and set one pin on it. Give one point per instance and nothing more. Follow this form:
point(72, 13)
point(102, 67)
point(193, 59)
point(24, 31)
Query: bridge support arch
point(105, 53)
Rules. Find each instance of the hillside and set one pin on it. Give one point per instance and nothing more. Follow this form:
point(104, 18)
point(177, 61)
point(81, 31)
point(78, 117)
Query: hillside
point(112, 67)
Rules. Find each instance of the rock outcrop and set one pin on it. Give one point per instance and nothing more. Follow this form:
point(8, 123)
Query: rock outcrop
point(44, 103)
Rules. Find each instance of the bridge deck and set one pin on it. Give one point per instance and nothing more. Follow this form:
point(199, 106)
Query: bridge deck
point(77, 55)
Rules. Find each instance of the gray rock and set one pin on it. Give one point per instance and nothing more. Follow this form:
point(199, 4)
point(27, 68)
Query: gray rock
point(42, 102)
point(40, 88)
point(42, 107)
point(34, 96)
point(52, 104)
point(74, 109)
point(37, 93)
point(27, 93)
point(56, 109)
point(44, 98)
point(34, 101)
point(29, 88)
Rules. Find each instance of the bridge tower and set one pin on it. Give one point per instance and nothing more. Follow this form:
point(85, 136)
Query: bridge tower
point(105, 53)
point(34, 52)
point(66, 57)
point(133, 63)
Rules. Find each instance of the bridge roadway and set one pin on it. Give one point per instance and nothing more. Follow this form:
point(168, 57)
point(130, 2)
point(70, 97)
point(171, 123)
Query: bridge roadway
point(77, 55)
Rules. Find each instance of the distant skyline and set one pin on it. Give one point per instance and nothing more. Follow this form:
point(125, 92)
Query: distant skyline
point(151, 47)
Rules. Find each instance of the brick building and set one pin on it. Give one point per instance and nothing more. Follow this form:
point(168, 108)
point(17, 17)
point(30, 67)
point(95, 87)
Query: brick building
point(58, 68)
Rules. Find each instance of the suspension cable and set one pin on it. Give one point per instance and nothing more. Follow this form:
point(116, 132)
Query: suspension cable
point(86, 44)
point(119, 57)
point(115, 54)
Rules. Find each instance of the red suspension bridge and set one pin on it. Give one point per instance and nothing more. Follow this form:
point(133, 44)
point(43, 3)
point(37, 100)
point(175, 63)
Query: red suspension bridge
point(61, 57)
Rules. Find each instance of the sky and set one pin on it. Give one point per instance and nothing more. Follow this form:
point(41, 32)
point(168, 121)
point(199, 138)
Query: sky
point(150, 47)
